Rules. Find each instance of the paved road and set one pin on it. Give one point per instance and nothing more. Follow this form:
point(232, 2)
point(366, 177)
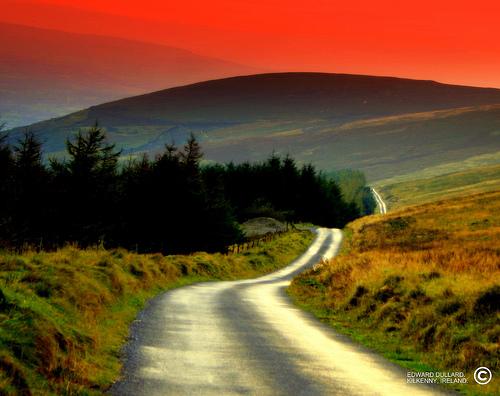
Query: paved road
point(245, 337)
point(380, 202)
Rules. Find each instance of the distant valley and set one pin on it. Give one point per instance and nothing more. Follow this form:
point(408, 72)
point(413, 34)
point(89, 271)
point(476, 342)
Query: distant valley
point(381, 125)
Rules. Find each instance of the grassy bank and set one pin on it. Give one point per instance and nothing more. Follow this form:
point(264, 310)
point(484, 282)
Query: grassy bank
point(64, 316)
point(421, 286)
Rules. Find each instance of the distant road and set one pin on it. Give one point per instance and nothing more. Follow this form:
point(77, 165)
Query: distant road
point(245, 337)
point(380, 202)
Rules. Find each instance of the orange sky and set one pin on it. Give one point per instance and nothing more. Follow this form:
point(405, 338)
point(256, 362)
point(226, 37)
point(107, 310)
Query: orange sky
point(450, 41)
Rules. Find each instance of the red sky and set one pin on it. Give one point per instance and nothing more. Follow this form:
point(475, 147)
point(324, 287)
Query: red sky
point(449, 41)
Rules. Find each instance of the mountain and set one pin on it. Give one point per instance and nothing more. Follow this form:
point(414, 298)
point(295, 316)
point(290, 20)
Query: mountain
point(382, 125)
point(46, 73)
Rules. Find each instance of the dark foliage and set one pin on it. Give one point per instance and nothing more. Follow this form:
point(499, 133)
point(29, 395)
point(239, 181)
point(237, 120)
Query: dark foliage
point(6, 173)
point(169, 204)
point(488, 302)
point(278, 188)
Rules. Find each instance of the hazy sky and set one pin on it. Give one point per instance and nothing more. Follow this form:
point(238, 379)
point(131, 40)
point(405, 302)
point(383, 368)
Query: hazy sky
point(450, 41)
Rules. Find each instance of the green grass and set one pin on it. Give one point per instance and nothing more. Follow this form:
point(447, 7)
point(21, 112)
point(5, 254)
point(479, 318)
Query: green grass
point(65, 315)
point(419, 285)
point(454, 184)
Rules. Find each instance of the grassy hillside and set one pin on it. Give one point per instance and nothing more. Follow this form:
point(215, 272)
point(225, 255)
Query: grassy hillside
point(380, 147)
point(64, 315)
point(428, 172)
point(420, 285)
point(455, 184)
point(383, 126)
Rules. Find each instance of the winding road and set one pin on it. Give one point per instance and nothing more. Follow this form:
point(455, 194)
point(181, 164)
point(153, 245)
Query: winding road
point(380, 202)
point(245, 337)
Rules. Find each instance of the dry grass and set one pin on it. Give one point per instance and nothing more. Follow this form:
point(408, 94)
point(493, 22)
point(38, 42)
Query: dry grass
point(64, 315)
point(425, 280)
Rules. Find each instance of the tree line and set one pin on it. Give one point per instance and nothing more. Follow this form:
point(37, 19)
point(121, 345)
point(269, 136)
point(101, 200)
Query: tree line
point(169, 204)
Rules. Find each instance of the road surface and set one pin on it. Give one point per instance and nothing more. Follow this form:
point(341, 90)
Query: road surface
point(245, 337)
point(380, 202)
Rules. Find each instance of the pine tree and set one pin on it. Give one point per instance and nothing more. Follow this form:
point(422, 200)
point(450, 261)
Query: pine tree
point(6, 179)
point(6, 159)
point(90, 156)
point(87, 184)
point(30, 189)
point(192, 153)
point(28, 156)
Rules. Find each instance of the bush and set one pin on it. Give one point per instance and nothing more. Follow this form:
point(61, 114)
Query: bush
point(488, 302)
point(449, 307)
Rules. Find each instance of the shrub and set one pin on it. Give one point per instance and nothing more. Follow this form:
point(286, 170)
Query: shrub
point(400, 223)
point(384, 293)
point(449, 307)
point(431, 275)
point(488, 302)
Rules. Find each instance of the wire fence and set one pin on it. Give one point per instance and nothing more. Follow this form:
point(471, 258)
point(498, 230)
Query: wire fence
point(257, 240)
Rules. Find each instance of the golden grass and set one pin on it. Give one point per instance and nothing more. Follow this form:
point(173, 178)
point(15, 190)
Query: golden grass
point(424, 280)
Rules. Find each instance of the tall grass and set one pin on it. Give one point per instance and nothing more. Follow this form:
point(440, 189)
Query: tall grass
point(64, 315)
point(421, 284)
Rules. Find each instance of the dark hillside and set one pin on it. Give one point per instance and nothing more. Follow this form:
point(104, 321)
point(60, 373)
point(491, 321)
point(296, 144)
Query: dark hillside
point(380, 125)
point(337, 97)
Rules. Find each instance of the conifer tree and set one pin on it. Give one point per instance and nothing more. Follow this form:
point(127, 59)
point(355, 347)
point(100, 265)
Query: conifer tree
point(30, 189)
point(87, 187)
point(171, 204)
point(6, 179)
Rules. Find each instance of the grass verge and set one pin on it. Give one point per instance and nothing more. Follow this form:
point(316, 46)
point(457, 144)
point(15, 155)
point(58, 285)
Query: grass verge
point(421, 286)
point(64, 316)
